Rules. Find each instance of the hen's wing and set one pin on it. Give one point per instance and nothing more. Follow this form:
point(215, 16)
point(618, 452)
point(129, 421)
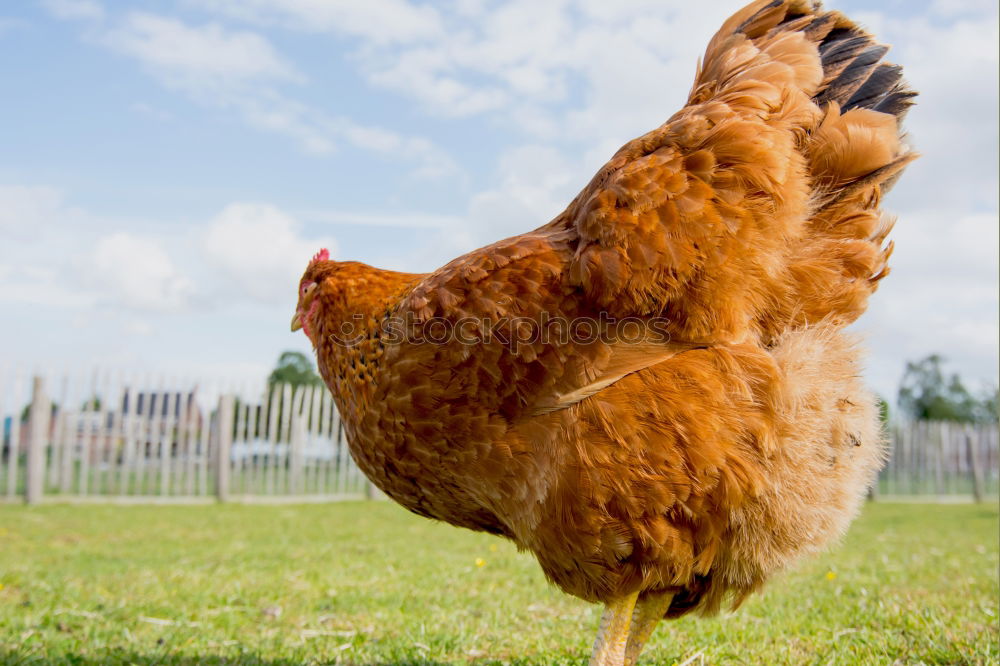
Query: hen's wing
point(752, 210)
point(755, 207)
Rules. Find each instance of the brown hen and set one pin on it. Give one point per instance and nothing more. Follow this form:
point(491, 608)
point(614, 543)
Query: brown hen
point(651, 393)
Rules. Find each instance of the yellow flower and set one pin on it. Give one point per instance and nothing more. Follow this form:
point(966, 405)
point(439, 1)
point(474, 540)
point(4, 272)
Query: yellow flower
point(493, 548)
point(1, 587)
point(830, 575)
point(480, 562)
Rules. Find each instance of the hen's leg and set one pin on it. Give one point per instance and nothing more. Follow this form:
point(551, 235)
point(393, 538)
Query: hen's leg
point(609, 648)
point(648, 612)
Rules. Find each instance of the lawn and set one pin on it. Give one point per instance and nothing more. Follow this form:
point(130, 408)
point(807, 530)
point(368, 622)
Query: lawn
point(359, 583)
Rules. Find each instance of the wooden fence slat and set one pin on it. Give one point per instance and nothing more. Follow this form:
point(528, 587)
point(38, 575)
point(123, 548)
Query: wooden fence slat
point(329, 435)
point(296, 441)
point(90, 435)
point(223, 441)
point(7, 405)
point(975, 471)
point(39, 416)
point(4, 434)
point(940, 460)
point(14, 449)
point(100, 443)
point(905, 468)
point(185, 485)
point(54, 459)
point(148, 423)
point(281, 455)
point(343, 478)
point(260, 432)
point(268, 461)
point(109, 443)
point(204, 451)
point(316, 442)
point(165, 438)
point(130, 404)
point(239, 438)
point(69, 438)
point(112, 460)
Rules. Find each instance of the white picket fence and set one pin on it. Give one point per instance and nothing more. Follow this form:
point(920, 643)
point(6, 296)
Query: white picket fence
point(944, 459)
point(116, 437)
point(121, 438)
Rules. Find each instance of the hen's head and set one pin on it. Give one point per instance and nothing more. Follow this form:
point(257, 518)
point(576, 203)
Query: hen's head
point(334, 290)
point(333, 294)
point(310, 286)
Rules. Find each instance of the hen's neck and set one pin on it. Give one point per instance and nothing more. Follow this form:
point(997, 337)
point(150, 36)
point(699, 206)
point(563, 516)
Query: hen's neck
point(348, 333)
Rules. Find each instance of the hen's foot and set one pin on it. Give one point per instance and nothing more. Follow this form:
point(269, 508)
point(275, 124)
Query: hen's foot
point(612, 637)
point(648, 612)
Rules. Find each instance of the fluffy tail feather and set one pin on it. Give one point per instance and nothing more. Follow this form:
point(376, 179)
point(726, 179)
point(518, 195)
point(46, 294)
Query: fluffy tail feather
point(853, 146)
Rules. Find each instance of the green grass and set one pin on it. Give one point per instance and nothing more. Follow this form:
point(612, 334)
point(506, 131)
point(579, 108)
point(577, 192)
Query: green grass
point(369, 583)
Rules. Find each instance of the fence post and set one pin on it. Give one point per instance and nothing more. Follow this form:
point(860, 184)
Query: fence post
point(972, 446)
point(296, 445)
point(40, 412)
point(223, 448)
point(942, 428)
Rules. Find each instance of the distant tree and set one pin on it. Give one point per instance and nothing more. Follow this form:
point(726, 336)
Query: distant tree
point(26, 410)
point(294, 368)
point(883, 409)
point(92, 404)
point(926, 392)
point(989, 406)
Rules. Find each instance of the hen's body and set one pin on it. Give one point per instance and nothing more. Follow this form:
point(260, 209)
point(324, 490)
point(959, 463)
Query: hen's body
point(723, 429)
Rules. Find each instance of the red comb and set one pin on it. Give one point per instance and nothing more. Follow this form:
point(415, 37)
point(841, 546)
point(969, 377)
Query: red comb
point(322, 255)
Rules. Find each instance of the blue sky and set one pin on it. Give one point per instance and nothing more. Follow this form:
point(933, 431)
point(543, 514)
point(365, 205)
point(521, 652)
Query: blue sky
point(167, 168)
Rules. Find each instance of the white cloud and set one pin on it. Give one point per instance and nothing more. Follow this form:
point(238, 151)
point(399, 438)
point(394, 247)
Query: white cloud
point(380, 21)
point(270, 111)
point(319, 133)
point(138, 327)
point(417, 74)
point(197, 57)
point(139, 274)
point(25, 211)
point(952, 8)
point(74, 9)
point(534, 184)
point(365, 219)
point(241, 71)
point(64, 257)
point(17, 286)
point(942, 295)
point(954, 123)
point(260, 248)
point(522, 59)
point(477, 57)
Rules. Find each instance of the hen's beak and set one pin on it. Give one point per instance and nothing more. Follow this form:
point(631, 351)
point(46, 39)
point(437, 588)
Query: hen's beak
point(296, 322)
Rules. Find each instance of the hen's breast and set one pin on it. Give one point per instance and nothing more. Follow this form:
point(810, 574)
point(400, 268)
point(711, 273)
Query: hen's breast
point(703, 474)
